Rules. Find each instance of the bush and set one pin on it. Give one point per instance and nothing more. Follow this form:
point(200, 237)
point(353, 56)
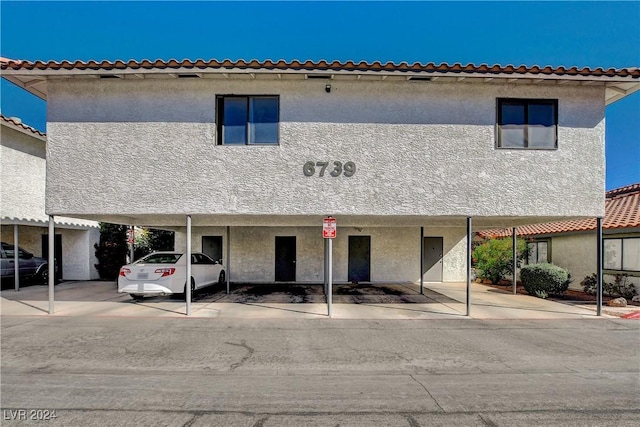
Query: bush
point(538, 279)
point(494, 258)
point(111, 252)
point(620, 287)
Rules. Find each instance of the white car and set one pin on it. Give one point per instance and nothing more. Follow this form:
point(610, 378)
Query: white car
point(164, 273)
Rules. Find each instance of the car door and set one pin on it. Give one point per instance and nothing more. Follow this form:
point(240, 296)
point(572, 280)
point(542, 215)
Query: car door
point(211, 269)
point(201, 270)
point(28, 264)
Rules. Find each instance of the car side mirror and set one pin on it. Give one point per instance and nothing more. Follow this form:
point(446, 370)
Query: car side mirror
point(27, 255)
point(216, 262)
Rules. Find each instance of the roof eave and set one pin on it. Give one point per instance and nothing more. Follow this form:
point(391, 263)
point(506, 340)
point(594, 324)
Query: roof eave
point(27, 130)
point(34, 80)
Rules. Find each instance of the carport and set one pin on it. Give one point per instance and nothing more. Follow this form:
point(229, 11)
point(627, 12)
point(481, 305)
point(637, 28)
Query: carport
point(328, 286)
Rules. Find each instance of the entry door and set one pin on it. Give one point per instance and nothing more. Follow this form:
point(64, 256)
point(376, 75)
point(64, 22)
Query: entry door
point(57, 242)
point(212, 246)
point(285, 258)
point(432, 259)
point(359, 259)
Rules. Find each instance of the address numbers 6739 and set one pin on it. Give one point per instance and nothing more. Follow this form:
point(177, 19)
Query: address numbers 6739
point(337, 168)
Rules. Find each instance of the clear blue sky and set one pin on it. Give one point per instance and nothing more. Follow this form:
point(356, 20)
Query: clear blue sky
point(592, 34)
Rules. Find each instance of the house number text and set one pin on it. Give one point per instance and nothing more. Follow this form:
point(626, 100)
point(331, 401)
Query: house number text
point(336, 168)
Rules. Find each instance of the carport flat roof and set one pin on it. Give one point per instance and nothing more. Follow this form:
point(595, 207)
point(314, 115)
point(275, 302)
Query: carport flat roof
point(209, 220)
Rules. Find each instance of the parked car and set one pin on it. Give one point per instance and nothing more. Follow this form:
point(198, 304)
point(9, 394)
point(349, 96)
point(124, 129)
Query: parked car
point(165, 273)
point(32, 268)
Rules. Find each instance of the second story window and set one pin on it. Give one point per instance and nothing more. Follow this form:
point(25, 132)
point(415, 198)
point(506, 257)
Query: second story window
point(527, 123)
point(247, 120)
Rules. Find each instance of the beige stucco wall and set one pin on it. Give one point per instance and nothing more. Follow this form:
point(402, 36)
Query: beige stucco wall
point(577, 253)
point(421, 149)
point(395, 252)
point(22, 176)
point(22, 202)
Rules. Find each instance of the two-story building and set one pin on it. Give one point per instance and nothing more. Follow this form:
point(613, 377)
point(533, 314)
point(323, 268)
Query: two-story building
point(259, 152)
point(22, 211)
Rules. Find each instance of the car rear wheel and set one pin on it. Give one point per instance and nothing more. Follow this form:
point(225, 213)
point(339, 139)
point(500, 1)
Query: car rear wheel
point(193, 290)
point(43, 276)
point(136, 297)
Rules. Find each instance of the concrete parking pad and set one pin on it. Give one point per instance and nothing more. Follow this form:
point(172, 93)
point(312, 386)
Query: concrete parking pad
point(351, 301)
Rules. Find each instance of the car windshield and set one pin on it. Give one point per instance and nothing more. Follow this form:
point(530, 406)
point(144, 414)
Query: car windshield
point(159, 259)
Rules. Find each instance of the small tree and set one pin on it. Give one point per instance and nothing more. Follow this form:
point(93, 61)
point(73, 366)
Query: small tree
point(494, 258)
point(161, 240)
point(111, 251)
point(151, 240)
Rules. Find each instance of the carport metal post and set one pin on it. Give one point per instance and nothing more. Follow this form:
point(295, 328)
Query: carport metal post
point(326, 270)
point(599, 266)
point(330, 277)
point(515, 260)
point(421, 260)
point(52, 260)
point(16, 258)
point(468, 266)
point(187, 285)
point(228, 275)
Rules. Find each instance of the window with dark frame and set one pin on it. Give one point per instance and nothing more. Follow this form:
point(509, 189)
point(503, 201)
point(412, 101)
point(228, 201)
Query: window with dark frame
point(538, 252)
point(527, 123)
point(622, 254)
point(247, 120)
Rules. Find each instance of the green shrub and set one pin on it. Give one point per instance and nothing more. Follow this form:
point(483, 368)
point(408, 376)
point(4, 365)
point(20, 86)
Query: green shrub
point(590, 284)
point(620, 287)
point(542, 294)
point(547, 278)
point(494, 258)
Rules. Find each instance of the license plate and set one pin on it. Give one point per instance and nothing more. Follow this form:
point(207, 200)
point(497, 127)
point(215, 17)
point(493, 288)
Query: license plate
point(143, 275)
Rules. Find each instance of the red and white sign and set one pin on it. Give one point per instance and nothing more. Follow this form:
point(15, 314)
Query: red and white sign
point(130, 236)
point(329, 228)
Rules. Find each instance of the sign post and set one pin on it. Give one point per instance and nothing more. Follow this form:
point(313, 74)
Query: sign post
point(329, 233)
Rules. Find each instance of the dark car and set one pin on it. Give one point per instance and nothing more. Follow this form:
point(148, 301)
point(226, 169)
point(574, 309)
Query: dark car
point(32, 268)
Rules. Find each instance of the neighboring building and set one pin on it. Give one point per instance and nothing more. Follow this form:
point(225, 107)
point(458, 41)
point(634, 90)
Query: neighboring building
point(22, 201)
point(259, 152)
point(573, 244)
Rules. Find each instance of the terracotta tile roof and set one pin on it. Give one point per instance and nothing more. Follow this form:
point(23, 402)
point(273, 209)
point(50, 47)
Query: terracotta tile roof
point(622, 210)
point(321, 65)
point(17, 122)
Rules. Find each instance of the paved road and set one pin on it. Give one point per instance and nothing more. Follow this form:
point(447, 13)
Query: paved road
point(203, 372)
